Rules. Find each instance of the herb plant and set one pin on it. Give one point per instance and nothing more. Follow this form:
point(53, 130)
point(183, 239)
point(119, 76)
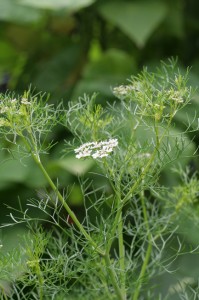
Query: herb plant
point(117, 249)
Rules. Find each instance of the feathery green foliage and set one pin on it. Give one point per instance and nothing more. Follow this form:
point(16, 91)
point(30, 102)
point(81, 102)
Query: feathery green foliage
point(120, 246)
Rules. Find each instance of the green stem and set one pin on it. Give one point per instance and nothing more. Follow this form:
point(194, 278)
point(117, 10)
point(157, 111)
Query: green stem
point(41, 281)
point(65, 205)
point(37, 160)
point(148, 251)
point(113, 277)
point(122, 256)
point(114, 228)
point(118, 225)
point(3, 293)
point(74, 218)
point(118, 208)
point(144, 210)
point(119, 214)
point(142, 272)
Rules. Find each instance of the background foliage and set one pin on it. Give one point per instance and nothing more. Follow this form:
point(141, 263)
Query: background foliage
point(68, 48)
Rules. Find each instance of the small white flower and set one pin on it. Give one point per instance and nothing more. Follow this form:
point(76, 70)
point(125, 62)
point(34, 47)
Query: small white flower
point(100, 154)
point(179, 100)
point(4, 109)
point(175, 96)
point(96, 149)
point(25, 101)
point(84, 153)
point(123, 90)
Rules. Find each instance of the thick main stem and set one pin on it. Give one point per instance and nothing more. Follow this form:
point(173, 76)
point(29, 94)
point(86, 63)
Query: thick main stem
point(41, 281)
point(113, 277)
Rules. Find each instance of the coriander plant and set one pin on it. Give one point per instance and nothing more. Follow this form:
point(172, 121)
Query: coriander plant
point(117, 249)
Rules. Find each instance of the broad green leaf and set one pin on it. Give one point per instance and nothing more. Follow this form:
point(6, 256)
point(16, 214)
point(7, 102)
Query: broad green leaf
point(12, 11)
point(70, 5)
point(138, 19)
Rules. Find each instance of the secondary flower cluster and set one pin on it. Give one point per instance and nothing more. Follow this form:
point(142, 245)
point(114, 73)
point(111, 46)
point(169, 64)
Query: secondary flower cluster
point(96, 149)
point(13, 112)
point(122, 90)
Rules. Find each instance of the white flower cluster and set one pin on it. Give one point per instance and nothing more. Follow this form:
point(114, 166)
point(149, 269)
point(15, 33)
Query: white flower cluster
point(4, 110)
point(25, 101)
point(96, 149)
point(175, 96)
point(124, 90)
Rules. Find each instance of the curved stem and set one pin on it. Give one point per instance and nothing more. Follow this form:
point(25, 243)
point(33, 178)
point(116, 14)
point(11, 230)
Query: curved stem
point(76, 221)
point(61, 198)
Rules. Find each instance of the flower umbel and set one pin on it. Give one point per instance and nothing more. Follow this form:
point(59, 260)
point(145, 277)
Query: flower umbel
point(123, 90)
point(96, 149)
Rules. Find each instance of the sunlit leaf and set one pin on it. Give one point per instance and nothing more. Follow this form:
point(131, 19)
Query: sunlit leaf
point(70, 5)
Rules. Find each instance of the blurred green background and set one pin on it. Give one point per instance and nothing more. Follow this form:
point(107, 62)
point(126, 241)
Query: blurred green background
point(68, 48)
